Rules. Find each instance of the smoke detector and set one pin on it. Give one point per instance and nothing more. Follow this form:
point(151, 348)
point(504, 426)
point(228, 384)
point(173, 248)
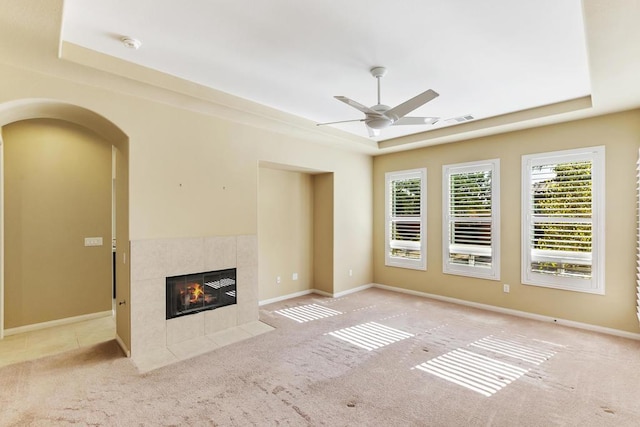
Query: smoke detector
point(131, 43)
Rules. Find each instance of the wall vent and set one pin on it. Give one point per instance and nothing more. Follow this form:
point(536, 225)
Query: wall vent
point(460, 119)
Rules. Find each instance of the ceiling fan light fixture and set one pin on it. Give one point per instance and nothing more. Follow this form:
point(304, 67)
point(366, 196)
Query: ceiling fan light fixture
point(379, 123)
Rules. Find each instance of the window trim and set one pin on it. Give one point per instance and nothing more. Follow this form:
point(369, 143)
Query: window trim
point(493, 272)
point(415, 264)
point(596, 284)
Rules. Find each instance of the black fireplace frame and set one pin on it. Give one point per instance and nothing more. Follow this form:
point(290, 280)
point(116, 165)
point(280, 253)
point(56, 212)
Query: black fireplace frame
point(193, 293)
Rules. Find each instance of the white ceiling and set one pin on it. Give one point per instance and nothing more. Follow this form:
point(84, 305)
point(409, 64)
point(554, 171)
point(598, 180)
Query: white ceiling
point(484, 58)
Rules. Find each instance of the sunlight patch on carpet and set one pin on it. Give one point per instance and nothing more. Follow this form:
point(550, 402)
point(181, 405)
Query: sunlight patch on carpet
point(473, 371)
point(370, 336)
point(484, 374)
point(307, 313)
point(514, 349)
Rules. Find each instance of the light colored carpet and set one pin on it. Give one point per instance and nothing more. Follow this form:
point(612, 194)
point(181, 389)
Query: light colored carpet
point(374, 358)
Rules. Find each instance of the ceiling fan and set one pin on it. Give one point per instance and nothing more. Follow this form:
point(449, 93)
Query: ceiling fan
point(381, 116)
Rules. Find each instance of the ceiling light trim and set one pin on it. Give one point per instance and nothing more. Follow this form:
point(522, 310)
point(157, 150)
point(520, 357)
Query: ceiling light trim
point(220, 104)
point(131, 43)
point(504, 123)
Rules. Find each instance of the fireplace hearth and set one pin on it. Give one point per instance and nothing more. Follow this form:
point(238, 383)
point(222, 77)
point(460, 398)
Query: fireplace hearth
point(193, 293)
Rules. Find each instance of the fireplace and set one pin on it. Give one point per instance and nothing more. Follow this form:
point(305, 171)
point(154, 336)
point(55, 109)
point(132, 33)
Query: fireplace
point(193, 293)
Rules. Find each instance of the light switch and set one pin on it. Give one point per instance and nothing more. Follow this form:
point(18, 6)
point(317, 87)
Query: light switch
point(93, 241)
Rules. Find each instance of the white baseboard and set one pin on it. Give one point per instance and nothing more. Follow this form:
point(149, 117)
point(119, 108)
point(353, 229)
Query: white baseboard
point(322, 293)
point(285, 297)
point(123, 346)
point(314, 291)
point(518, 313)
point(59, 322)
point(354, 290)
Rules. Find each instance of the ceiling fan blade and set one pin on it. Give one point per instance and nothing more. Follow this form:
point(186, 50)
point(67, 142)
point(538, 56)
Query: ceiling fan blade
point(406, 107)
point(357, 105)
point(416, 121)
point(341, 121)
point(373, 132)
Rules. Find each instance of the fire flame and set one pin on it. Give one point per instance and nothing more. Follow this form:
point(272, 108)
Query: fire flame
point(196, 291)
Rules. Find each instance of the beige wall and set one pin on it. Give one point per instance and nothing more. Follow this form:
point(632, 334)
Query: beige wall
point(323, 232)
point(193, 152)
point(193, 173)
point(285, 230)
point(193, 169)
point(619, 133)
point(57, 192)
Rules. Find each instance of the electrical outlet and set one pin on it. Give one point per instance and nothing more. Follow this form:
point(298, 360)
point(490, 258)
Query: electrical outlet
point(505, 288)
point(350, 272)
point(278, 280)
point(294, 276)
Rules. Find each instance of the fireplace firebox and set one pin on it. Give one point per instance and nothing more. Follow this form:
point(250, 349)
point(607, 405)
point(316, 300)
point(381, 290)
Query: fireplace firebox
point(193, 293)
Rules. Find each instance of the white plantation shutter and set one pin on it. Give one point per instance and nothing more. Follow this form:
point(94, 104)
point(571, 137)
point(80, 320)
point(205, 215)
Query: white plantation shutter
point(405, 219)
point(471, 219)
point(563, 215)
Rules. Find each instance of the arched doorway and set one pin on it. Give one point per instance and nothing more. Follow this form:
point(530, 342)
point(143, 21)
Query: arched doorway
point(48, 109)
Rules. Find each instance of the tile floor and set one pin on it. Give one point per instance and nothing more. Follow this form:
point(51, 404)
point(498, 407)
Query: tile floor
point(46, 342)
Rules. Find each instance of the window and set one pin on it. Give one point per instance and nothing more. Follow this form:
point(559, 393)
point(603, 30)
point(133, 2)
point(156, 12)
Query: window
point(405, 219)
point(563, 220)
point(471, 219)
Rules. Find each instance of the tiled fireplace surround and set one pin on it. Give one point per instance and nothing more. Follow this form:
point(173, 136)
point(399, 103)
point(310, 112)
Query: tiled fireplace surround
point(156, 341)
